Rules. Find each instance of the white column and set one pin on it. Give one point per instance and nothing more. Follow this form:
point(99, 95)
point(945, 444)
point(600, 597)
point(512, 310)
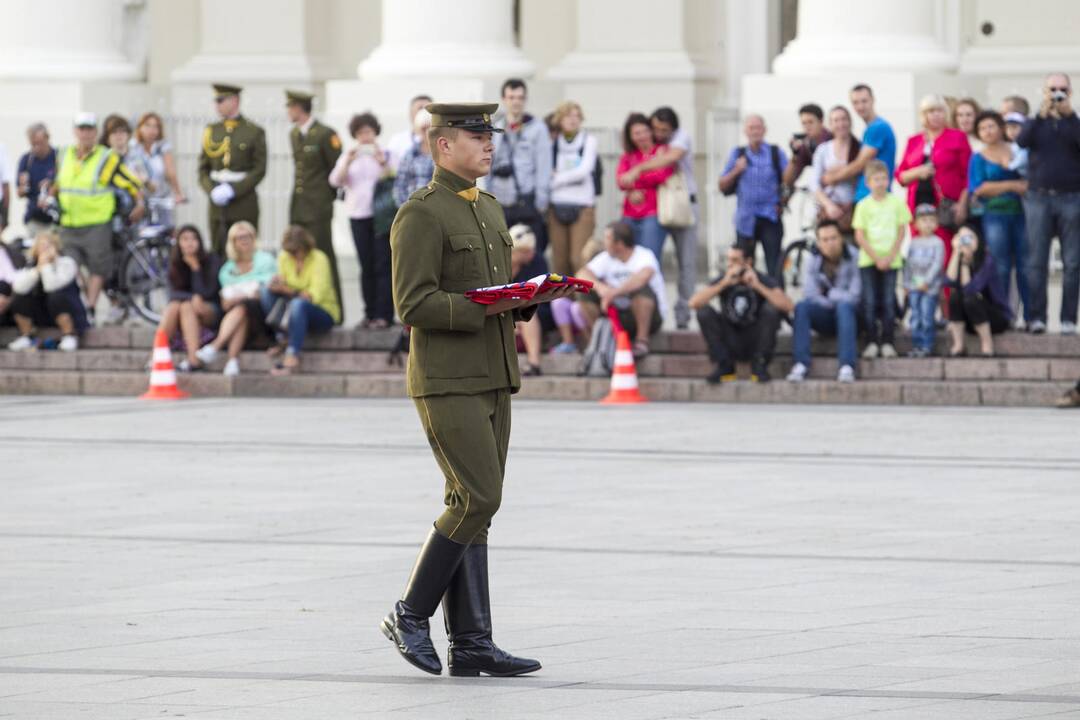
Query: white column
point(253, 41)
point(437, 39)
point(68, 41)
point(883, 35)
point(657, 53)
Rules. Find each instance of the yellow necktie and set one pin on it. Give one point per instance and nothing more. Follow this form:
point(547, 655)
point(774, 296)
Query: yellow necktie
point(470, 194)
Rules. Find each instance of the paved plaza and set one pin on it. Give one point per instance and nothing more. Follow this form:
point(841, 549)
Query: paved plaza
point(231, 559)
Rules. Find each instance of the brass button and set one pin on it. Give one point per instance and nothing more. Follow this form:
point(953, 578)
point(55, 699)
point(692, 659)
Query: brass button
point(474, 204)
point(495, 268)
point(490, 246)
point(483, 224)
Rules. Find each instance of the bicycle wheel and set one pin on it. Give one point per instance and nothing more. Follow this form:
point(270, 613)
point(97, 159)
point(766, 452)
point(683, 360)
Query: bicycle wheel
point(144, 276)
point(792, 268)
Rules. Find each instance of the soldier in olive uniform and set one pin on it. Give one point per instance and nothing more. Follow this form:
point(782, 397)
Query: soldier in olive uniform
point(231, 165)
point(315, 149)
point(450, 237)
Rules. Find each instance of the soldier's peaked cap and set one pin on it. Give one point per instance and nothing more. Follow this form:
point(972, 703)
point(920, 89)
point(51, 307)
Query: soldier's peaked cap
point(223, 90)
point(297, 96)
point(465, 116)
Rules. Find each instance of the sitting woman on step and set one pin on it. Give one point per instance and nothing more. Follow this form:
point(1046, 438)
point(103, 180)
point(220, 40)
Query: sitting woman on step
point(978, 302)
point(242, 280)
point(47, 294)
point(304, 284)
point(194, 306)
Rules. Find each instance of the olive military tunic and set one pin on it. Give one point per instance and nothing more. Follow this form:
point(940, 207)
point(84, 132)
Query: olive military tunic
point(312, 204)
point(450, 237)
point(234, 152)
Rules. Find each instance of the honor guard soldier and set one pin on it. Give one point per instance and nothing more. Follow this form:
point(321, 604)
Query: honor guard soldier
point(450, 237)
point(231, 165)
point(315, 150)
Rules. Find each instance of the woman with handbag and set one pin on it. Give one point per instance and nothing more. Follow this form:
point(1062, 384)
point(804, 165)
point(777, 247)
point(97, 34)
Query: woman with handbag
point(359, 171)
point(194, 303)
point(837, 201)
point(572, 217)
point(242, 278)
point(640, 209)
point(934, 169)
point(300, 298)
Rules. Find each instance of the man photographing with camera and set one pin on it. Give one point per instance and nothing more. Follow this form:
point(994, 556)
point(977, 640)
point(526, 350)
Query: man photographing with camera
point(1052, 204)
point(743, 325)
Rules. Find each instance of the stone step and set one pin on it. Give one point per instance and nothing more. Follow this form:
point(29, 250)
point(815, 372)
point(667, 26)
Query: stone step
point(679, 342)
point(353, 362)
point(877, 392)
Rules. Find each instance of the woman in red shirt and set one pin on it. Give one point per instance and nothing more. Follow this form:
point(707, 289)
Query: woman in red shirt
point(639, 204)
point(934, 167)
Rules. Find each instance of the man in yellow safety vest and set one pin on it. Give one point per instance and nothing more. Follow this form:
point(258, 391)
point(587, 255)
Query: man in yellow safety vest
point(86, 176)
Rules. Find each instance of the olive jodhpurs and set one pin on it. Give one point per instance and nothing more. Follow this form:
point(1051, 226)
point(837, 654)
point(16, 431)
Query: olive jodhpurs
point(469, 435)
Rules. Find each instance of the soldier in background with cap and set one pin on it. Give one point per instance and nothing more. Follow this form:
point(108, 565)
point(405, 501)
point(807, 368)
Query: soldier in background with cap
point(450, 237)
point(231, 165)
point(315, 149)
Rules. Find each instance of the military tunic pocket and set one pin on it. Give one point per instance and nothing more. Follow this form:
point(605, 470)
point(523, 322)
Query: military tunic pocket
point(450, 355)
point(464, 265)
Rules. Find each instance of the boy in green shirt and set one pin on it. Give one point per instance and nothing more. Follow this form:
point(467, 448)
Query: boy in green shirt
point(879, 222)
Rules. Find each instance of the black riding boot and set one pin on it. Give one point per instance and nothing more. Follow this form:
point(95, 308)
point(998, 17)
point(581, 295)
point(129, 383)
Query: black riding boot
point(467, 611)
point(407, 626)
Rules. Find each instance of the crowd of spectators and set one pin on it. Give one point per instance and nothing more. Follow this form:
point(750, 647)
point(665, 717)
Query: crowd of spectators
point(985, 193)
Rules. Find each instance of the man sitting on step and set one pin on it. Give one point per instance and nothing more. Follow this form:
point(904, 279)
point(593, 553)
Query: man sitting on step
point(743, 325)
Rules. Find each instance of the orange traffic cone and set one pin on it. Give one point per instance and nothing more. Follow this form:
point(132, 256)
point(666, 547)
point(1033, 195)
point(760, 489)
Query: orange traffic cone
point(624, 384)
point(162, 373)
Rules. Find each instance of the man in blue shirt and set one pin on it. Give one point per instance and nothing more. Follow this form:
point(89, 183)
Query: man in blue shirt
point(878, 143)
point(753, 173)
point(35, 175)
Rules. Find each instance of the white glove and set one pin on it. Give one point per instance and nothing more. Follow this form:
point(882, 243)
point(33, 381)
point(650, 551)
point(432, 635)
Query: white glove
point(222, 194)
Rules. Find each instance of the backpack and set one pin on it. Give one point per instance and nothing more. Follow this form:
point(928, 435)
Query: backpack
point(597, 171)
point(775, 153)
point(599, 358)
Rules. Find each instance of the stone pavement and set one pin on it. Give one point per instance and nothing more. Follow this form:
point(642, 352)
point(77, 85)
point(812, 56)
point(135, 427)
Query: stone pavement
point(231, 559)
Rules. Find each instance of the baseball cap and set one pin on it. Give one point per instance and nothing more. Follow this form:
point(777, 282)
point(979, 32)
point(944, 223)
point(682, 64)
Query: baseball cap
point(1015, 117)
point(925, 209)
point(86, 119)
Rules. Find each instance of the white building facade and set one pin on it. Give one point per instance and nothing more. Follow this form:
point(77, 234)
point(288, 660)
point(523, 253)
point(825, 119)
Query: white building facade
point(712, 60)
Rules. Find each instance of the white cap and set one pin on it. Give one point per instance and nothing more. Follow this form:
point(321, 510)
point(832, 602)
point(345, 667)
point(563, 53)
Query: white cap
point(86, 119)
point(1015, 117)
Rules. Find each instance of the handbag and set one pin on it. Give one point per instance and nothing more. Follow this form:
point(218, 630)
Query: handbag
point(673, 203)
point(278, 317)
point(566, 214)
point(383, 207)
point(946, 214)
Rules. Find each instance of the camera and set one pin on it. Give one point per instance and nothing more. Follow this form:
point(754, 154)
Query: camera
point(966, 241)
point(503, 171)
point(1058, 96)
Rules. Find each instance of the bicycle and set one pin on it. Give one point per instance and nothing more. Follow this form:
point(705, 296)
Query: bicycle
point(140, 281)
point(795, 253)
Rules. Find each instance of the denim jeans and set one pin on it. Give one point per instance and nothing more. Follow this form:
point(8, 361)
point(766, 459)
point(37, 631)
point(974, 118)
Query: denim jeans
point(304, 317)
point(1049, 215)
point(648, 233)
point(879, 303)
point(923, 328)
point(840, 320)
point(1006, 239)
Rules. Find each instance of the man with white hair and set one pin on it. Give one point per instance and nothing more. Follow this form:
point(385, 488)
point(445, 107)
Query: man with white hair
point(1052, 203)
point(753, 173)
point(416, 166)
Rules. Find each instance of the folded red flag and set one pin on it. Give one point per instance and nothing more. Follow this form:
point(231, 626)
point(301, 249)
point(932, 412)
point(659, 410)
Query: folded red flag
point(527, 289)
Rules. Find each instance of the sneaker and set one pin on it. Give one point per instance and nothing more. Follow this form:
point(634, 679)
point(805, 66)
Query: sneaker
point(116, 315)
point(798, 373)
point(207, 353)
point(69, 343)
point(871, 351)
point(888, 351)
point(846, 374)
point(1036, 327)
point(1068, 328)
point(23, 342)
point(232, 368)
point(721, 375)
point(564, 349)
point(759, 373)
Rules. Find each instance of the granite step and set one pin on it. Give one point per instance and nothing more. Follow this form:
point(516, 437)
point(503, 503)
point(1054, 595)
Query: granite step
point(373, 385)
